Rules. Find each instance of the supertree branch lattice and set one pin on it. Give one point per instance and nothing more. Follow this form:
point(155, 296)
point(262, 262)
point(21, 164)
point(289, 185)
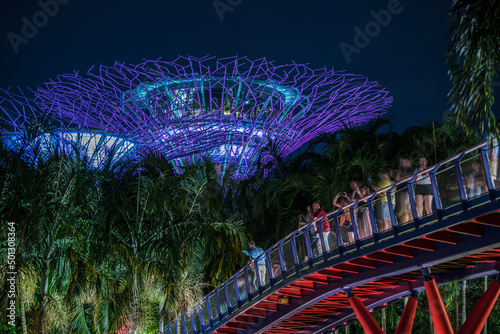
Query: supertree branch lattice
point(234, 110)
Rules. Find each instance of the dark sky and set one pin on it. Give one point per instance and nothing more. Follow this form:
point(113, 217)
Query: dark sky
point(407, 56)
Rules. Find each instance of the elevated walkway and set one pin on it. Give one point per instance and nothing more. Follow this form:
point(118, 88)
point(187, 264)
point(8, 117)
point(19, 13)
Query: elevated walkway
point(308, 278)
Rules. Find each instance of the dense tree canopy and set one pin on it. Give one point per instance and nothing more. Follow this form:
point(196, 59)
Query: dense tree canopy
point(474, 60)
point(98, 249)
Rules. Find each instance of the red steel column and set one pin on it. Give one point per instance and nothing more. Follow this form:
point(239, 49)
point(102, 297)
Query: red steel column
point(475, 321)
point(369, 324)
point(440, 317)
point(405, 324)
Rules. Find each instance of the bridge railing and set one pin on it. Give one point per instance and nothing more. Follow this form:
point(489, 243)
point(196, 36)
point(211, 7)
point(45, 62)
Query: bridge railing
point(458, 184)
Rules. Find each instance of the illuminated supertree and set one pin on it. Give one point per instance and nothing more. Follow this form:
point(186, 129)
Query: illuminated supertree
point(234, 110)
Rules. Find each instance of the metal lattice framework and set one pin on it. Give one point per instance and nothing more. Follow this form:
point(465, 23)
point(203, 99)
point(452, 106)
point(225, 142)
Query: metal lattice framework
point(235, 110)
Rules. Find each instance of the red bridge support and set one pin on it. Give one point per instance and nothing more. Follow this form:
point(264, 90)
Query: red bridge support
point(440, 317)
point(405, 324)
point(476, 320)
point(441, 320)
point(369, 324)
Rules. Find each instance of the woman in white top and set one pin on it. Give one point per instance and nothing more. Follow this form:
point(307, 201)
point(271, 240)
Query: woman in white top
point(423, 189)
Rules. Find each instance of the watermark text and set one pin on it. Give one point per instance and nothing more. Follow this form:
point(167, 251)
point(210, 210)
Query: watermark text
point(223, 6)
point(372, 29)
point(11, 274)
point(30, 27)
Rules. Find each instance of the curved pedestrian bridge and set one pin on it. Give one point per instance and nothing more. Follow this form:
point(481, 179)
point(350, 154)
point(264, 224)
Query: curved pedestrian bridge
point(310, 284)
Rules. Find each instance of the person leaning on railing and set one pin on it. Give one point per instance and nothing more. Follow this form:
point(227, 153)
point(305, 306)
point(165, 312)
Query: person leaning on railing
point(254, 253)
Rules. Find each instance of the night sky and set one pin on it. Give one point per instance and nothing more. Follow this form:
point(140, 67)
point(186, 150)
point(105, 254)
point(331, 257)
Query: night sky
point(406, 55)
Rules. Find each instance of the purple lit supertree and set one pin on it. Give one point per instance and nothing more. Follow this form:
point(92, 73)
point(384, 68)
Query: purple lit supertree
point(234, 110)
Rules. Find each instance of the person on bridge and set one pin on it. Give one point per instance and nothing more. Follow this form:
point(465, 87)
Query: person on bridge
point(382, 213)
point(356, 191)
point(423, 189)
point(316, 212)
point(255, 252)
point(495, 152)
point(363, 225)
point(403, 208)
point(477, 181)
point(300, 241)
point(345, 221)
point(362, 216)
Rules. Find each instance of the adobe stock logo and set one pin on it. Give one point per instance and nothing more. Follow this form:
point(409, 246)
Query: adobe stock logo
point(221, 7)
point(372, 29)
point(29, 28)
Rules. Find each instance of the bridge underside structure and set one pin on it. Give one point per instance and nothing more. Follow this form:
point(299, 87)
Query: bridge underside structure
point(313, 284)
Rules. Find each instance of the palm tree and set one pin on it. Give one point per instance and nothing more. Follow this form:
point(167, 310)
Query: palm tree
point(451, 294)
point(41, 183)
point(474, 58)
point(98, 242)
point(177, 227)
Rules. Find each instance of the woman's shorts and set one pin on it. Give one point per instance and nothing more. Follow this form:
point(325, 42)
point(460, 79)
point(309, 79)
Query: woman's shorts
point(423, 189)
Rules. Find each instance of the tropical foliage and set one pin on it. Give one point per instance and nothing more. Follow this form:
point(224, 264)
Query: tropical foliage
point(474, 60)
point(106, 250)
